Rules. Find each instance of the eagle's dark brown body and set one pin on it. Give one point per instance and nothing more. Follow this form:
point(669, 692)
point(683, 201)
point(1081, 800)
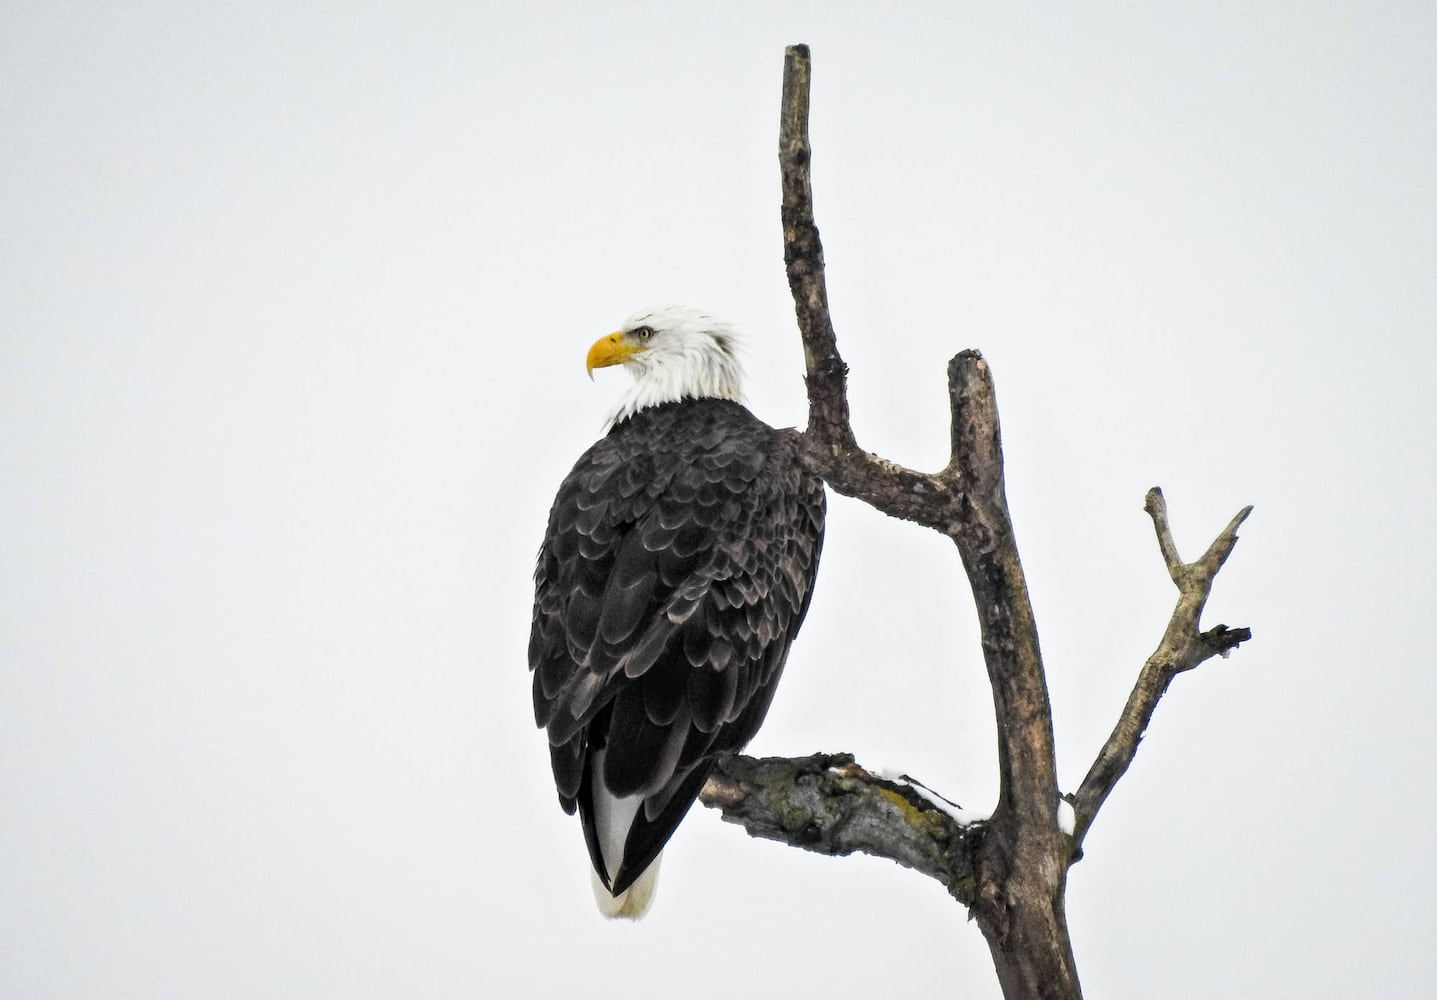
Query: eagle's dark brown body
point(677, 567)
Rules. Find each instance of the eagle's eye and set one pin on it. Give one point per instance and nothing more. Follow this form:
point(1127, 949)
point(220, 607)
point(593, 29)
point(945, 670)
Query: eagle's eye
point(642, 333)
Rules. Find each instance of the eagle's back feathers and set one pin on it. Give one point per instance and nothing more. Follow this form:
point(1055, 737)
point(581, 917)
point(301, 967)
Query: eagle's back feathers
point(677, 567)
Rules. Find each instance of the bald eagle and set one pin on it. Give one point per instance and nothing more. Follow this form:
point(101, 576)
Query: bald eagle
point(677, 566)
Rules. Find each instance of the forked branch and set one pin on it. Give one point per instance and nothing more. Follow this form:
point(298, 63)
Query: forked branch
point(1183, 647)
point(965, 500)
point(831, 448)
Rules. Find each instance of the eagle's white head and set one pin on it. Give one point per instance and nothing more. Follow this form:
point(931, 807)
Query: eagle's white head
point(673, 353)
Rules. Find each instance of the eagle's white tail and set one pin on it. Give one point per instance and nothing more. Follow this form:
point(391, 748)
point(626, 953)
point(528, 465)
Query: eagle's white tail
point(633, 902)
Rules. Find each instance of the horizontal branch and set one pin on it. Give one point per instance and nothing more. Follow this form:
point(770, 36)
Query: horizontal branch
point(1183, 647)
point(828, 804)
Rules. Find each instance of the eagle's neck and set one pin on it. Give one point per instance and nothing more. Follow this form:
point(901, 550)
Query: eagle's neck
point(699, 372)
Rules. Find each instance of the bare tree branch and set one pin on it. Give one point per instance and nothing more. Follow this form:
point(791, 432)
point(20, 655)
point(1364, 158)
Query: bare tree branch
point(1182, 648)
point(983, 533)
point(1011, 869)
point(828, 804)
point(831, 448)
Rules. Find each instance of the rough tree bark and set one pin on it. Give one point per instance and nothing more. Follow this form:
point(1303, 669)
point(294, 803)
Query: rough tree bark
point(1009, 869)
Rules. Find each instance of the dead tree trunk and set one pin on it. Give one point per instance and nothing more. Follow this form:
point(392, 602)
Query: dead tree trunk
point(1009, 869)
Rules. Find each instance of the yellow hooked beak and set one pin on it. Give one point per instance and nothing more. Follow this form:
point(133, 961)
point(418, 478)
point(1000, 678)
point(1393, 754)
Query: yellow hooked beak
point(614, 349)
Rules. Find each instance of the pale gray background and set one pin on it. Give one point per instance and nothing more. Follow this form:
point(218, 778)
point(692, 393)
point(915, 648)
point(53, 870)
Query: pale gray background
point(293, 310)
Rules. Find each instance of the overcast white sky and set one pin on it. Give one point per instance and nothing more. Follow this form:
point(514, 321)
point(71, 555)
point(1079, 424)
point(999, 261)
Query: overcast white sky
point(293, 311)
